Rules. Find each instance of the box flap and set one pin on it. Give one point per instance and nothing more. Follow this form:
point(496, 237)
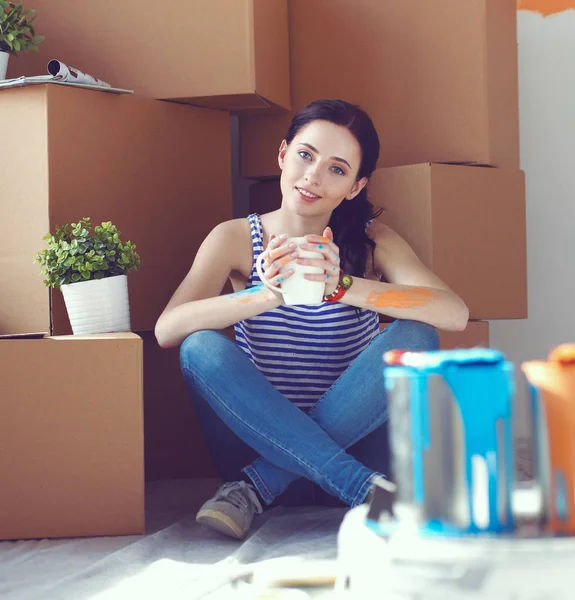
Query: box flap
point(21, 336)
point(116, 335)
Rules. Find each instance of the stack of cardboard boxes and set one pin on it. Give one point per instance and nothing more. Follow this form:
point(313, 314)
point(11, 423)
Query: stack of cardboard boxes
point(82, 415)
point(439, 80)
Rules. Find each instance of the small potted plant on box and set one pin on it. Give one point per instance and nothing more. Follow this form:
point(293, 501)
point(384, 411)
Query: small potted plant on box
point(91, 270)
point(16, 32)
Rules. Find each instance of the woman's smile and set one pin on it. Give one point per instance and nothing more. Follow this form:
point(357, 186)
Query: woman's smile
point(306, 195)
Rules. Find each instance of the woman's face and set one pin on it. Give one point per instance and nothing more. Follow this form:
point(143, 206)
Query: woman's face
point(319, 168)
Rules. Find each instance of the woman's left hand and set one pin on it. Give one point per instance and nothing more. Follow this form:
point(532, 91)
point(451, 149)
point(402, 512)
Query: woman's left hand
point(329, 263)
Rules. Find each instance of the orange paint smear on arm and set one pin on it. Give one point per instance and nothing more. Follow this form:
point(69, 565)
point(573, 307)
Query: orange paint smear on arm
point(546, 7)
point(253, 299)
point(412, 298)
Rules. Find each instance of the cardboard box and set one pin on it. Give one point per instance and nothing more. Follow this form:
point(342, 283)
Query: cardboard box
point(174, 443)
point(467, 224)
point(159, 171)
point(265, 196)
point(227, 54)
point(72, 431)
point(475, 334)
point(439, 79)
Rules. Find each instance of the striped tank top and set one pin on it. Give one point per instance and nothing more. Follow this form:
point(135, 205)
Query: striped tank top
point(302, 350)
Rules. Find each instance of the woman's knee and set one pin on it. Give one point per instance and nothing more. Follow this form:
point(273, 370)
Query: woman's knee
point(414, 335)
point(201, 348)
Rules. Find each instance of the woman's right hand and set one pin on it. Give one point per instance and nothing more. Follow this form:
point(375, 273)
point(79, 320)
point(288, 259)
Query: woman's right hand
point(276, 255)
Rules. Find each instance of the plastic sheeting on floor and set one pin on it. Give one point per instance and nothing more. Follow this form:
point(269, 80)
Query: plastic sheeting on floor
point(176, 559)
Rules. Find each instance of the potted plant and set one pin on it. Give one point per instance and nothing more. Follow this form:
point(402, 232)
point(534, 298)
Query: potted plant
point(91, 270)
point(16, 32)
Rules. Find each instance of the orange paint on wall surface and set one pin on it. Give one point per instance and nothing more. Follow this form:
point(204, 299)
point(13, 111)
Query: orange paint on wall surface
point(400, 298)
point(546, 7)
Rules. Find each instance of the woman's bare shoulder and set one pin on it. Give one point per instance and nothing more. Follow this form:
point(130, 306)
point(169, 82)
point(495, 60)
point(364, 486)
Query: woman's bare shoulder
point(233, 227)
point(229, 234)
point(381, 233)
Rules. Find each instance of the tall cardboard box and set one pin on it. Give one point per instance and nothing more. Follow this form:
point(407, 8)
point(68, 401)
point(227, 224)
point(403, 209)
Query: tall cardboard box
point(439, 79)
point(467, 224)
point(72, 431)
point(159, 171)
point(174, 443)
point(229, 54)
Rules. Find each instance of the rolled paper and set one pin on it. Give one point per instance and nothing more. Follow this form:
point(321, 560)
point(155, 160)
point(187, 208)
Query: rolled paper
point(63, 72)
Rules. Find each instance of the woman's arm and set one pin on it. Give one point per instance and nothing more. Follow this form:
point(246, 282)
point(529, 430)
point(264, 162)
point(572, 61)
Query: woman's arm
point(413, 291)
point(196, 304)
point(438, 307)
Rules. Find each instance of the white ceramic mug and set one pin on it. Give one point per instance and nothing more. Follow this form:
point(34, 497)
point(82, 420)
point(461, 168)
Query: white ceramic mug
point(297, 289)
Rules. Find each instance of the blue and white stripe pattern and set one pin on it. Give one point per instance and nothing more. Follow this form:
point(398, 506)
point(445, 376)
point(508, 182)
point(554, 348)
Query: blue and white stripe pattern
point(302, 350)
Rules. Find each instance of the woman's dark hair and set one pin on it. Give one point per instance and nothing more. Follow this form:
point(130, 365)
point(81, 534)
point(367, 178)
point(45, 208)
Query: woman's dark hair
point(349, 220)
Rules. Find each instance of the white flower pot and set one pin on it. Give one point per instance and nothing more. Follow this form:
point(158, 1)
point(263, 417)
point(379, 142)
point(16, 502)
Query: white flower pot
point(98, 305)
point(4, 56)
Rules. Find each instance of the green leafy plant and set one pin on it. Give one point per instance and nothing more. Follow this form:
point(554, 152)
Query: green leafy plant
point(75, 254)
point(16, 31)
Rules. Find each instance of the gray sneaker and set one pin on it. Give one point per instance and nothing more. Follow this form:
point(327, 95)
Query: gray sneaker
point(231, 510)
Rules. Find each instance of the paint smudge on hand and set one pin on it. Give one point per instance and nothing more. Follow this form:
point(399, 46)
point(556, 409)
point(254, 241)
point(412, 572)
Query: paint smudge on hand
point(317, 239)
point(282, 262)
point(411, 298)
point(546, 7)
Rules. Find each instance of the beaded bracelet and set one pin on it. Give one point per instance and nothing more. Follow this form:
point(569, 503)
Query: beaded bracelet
point(343, 285)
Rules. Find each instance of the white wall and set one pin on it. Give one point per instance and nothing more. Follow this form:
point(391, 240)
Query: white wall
point(547, 130)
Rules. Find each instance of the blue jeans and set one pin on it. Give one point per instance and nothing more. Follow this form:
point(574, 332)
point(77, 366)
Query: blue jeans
point(249, 426)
